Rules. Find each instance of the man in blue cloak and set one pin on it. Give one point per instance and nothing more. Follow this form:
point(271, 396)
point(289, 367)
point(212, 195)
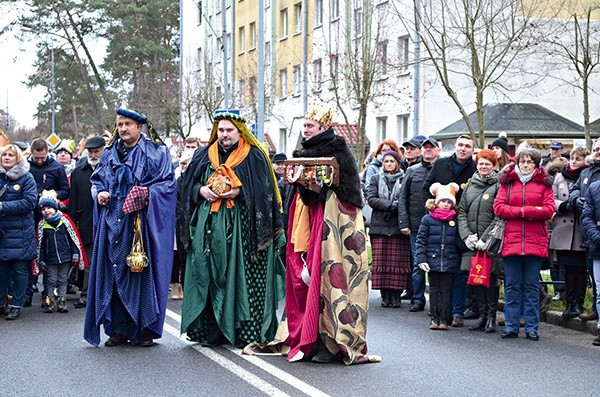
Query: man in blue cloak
point(134, 190)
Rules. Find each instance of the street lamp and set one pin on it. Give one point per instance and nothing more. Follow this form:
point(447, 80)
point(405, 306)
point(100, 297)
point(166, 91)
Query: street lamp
point(52, 86)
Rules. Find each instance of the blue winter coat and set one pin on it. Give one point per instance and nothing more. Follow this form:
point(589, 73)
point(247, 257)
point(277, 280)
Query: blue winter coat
point(16, 213)
point(590, 219)
point(436, 245)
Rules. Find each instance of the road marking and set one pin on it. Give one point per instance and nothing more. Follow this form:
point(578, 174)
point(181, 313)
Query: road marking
point(254, 380)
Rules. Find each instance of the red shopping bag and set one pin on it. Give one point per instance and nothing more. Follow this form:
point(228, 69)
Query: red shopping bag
point(481, 268)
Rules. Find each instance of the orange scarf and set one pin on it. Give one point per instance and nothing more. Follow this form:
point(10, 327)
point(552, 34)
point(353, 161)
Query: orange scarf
point(234, 159)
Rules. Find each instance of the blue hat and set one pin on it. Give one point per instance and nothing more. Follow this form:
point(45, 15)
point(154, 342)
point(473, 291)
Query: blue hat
point(48, 202)
point(556, 145)
point(95, 142)
point(140, 118)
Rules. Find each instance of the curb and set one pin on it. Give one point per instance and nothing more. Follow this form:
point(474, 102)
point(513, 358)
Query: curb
point(555, 318)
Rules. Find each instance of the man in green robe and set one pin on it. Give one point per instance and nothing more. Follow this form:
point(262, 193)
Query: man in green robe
point(234, 277)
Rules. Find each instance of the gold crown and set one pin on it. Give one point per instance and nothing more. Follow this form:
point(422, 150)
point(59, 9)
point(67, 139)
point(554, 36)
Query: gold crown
point(320, 113)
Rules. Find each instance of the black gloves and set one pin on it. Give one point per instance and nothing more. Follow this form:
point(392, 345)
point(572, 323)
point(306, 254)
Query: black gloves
point(580, 203)
point(565, 207)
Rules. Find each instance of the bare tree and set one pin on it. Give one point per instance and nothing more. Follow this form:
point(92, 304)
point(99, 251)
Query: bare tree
point(360, 66)
point(474, 44)
point(576, 45)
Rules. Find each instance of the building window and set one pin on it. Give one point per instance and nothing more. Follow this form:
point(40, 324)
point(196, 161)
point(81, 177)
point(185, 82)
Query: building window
point(358, 22)
point(334, 9)
point(334, 67)
point(381, 128)
point(318, 13)
point(283, 22)
point(267, 53)
point(283, 83)
point(317, 74)
point(282, 139)
point(242, 92)
point(382, 59)
point(252, 38)
point(403, 43)
point(297, 80)
point(297, 18)
point(242, 39)
point(402, 120)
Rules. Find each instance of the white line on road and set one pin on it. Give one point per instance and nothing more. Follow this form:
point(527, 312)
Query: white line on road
point(241, 372)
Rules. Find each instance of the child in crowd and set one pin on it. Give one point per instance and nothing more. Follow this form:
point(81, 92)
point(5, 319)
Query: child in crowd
point(436, 250)
point(59, 246)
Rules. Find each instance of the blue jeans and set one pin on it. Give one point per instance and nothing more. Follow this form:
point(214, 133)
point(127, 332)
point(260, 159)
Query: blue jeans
point(589, 264)
point(418, 275)
point(522, 285)
point(459, 294)
point(16, 272)
point(596, 265)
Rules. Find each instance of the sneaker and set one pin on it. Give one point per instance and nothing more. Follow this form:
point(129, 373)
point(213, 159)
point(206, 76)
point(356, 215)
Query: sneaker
point(62, 305)
point(48, 305)
point(14, 313)
point(417, 307)
point(80, 304)
point(433, 325)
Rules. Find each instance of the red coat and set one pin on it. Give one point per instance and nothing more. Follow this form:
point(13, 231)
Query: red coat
point(526, 211)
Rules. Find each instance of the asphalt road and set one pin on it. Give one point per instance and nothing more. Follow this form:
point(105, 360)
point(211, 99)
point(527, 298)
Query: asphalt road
point(45, 354)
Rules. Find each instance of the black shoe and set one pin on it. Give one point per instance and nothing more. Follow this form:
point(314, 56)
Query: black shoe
point(470, 315)
point(14, 313)
point(147, 340)
point(490, 326)
point(214, 339)
point(480, 326)
point(596, 341)
point(323, 356)
point(80, 304)
point(509, 335)
point(532, 336)
point(570, 311)
point(395, 299)
point(417, 307)
point(116, 339)
point(27, 301)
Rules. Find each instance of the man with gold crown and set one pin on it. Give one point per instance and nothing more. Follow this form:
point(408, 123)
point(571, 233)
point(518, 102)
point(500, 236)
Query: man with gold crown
point(134, 192)
point(326, 265)
point(234, 276)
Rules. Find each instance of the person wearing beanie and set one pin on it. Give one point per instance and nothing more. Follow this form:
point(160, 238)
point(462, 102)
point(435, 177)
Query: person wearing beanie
point(500, 149)
point(390, 270)
point(475, 219)
point(437, 251)
point(59, 248)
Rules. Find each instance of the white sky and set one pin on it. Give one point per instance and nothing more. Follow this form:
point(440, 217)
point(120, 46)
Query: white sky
point(16, 63)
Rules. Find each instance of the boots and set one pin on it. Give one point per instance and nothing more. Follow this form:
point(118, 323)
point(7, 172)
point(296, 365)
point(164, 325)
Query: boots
point(62, 305)
point(395, 298)
point(490, 325)
point(571, 310)
point(480, 325)
point(596, 342)
point(385, 298)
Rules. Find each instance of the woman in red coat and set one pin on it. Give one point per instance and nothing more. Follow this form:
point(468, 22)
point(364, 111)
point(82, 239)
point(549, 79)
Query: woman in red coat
point(525, 201)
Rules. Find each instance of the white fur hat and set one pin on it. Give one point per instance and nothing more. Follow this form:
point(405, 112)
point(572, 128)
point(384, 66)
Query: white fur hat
point(447, 192)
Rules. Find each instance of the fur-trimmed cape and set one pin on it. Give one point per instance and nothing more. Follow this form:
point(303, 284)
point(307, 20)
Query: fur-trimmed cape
point(328, 144)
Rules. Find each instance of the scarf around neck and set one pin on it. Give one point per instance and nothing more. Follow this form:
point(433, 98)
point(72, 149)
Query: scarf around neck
point(442, 215)
point(524, 178)
point(383, 190)
point(226, 169)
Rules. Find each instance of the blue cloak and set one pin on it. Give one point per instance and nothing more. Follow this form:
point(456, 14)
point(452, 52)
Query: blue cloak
point(144, 294)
